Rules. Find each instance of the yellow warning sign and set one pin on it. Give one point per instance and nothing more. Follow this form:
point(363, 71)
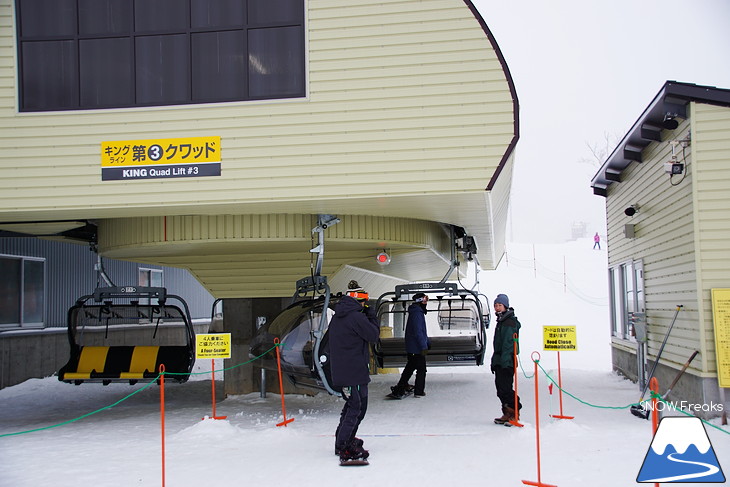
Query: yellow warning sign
point(559, 338)
point(215, 345)
point(721, 322)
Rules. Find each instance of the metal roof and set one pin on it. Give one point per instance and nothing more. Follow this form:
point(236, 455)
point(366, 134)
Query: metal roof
point(671, 102)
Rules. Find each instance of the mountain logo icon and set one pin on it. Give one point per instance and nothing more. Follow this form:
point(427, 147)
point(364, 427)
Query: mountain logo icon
point(681, 452)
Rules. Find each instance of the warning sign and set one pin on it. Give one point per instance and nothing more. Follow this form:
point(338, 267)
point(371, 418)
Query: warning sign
point(216, 345)
point(559, 338)
point(721, 322)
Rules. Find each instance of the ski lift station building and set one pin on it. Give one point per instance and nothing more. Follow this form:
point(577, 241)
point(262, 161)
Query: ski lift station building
point(667, 192)
point(213, 135)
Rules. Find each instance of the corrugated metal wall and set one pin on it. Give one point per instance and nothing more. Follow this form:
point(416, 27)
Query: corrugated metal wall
point(70, 274)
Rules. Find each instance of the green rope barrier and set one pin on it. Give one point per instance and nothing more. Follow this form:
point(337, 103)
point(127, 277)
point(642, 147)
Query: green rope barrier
point(641, 403)
point(130, 395)
point(577, 398)
point(519, 361)
point(208, 372)
point(85, 415)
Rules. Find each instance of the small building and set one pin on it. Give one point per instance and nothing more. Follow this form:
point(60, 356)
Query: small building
point(667, 191)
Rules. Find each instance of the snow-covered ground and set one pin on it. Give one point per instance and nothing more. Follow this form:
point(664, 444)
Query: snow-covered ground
point(446, 438)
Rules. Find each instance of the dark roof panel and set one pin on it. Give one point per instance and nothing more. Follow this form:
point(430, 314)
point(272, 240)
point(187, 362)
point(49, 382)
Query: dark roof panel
point(671, 102)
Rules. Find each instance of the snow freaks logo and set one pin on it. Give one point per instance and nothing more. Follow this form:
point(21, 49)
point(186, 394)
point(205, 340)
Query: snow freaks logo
point(681, 452)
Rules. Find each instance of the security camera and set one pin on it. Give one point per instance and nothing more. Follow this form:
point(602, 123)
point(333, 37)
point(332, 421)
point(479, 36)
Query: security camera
point(631, 210)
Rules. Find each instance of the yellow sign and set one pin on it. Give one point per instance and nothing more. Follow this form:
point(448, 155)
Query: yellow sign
point(721, 321)
point(160, 151)
point(559, 338)
point(215, 345)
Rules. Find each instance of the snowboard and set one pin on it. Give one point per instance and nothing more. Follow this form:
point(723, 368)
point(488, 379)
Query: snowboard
point(393, 396)
point(408, 392)
point(354, 463)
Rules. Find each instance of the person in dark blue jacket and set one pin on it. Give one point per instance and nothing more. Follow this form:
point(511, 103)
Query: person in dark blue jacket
point(417, 346)
point(352, 328)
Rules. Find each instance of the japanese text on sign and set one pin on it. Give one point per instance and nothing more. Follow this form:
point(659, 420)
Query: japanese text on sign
point(721, 322)
point(161, 158)
point(559, 338)
point(160, 151)
point(216, 345)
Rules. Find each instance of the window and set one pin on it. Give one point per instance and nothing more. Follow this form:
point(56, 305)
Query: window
point(22, 292)
point(150, 278)
point(90, 54)
point(627, 297)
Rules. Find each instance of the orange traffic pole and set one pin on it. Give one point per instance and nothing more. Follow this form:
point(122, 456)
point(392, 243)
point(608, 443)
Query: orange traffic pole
point(516, 421)
point(537, 428)
point(654, 386)
point(162, 418)
point(560, 389)
point(281, 386)
point(212, 382)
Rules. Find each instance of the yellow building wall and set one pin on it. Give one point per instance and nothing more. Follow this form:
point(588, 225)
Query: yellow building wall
point(711, 149)
point(409, 112)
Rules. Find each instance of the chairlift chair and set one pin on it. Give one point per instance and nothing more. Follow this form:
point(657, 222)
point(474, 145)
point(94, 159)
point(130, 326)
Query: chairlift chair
point(102, 325)
point(456, 321)
point(302, 331)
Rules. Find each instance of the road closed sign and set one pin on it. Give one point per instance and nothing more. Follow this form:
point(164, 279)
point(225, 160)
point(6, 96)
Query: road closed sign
point(559, 338)
point(213, 345)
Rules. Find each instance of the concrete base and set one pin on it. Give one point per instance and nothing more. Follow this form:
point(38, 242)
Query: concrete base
point(240, 316)
point(700, 396)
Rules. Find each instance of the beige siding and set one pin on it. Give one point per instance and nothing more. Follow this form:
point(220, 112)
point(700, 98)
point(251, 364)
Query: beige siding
point(263, 255)
point(407, 116)
point(711, 149)
point(665, 242)
point(499, 198)
point(405, 98)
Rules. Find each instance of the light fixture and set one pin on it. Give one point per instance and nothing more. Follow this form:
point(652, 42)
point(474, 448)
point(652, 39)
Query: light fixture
point(631, 210)
point(673, 167)
point(382, 258)
point(670, 121)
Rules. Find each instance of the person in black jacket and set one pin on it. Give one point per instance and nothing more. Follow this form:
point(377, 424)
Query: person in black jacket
point(503, 358)
point(352, 328)
point(417, 346)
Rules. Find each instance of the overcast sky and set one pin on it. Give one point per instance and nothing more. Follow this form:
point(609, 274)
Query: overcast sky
point(585, 70)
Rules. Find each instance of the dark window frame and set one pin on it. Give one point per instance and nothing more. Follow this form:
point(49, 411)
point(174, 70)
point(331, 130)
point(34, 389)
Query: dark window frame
point(25, 307)
point(49, 81)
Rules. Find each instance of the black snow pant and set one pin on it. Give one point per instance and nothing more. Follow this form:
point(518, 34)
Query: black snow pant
point(353, 412)
point(503, 380)
point(416, 362)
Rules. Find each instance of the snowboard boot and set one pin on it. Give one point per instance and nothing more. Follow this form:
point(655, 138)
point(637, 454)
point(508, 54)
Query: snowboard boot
point(398, 391)
point(357, 442)
point(354, 451)
point(505, 415)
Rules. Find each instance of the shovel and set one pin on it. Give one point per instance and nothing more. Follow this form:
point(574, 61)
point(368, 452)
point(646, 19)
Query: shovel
point(640, 411)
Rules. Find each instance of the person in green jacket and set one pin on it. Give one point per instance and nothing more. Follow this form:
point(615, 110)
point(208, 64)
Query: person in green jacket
point(503, 358)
